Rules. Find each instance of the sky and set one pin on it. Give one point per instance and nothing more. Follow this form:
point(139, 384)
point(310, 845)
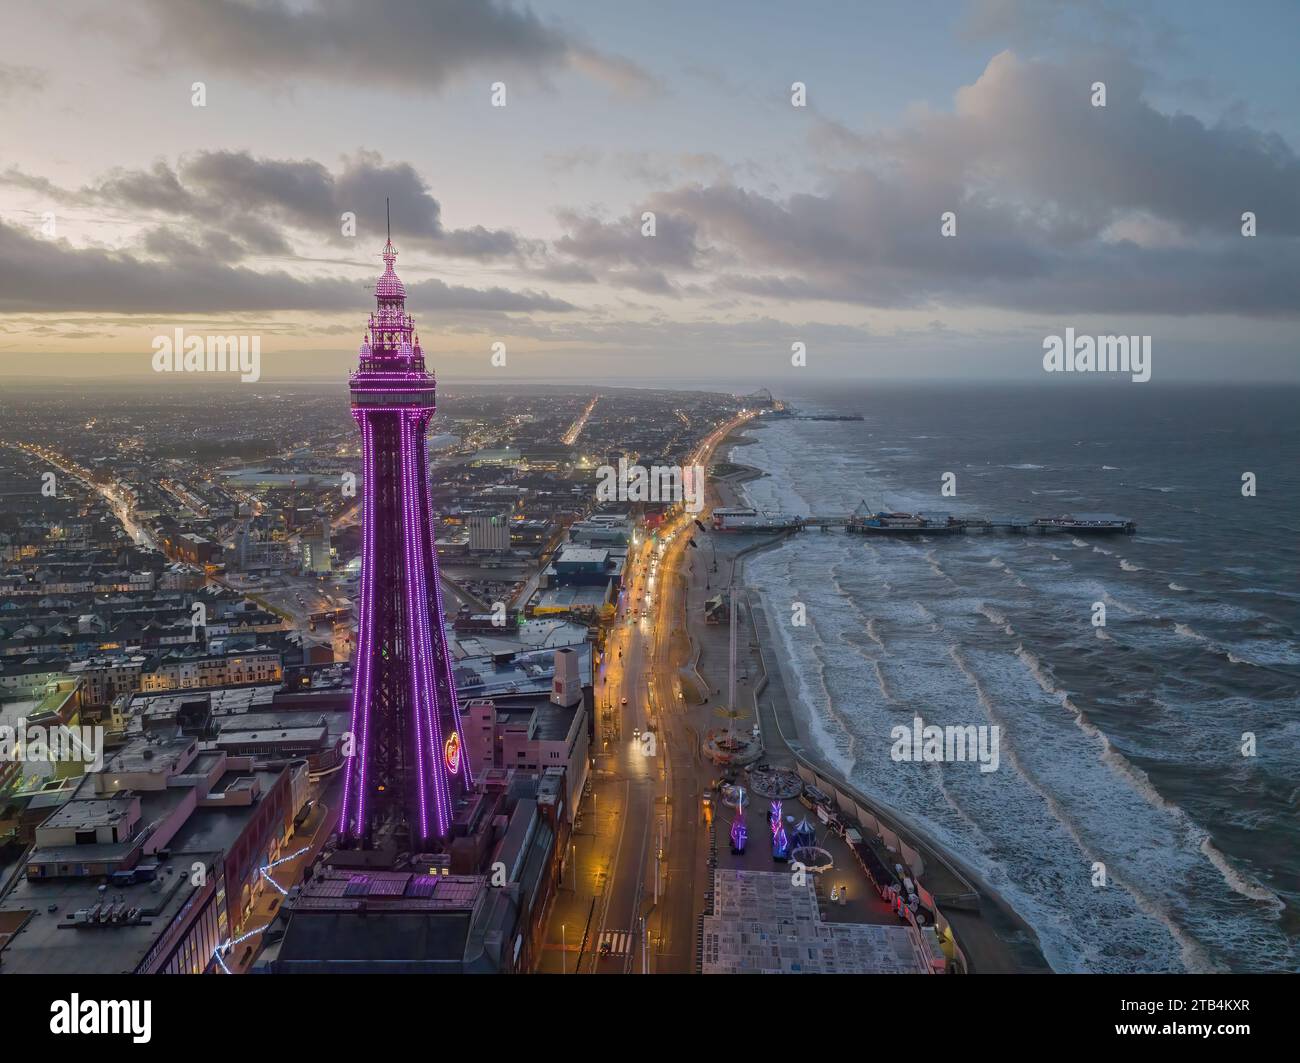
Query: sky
point(126, 211)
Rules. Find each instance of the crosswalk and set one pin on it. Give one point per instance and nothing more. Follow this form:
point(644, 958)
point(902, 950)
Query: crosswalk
point(619, 942)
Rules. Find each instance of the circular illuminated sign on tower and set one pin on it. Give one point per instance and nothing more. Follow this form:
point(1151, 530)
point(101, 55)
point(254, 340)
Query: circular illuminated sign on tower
point(451, 753)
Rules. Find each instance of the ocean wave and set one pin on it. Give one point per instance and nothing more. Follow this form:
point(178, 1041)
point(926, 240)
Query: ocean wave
point(1195, 958)
point(1237, 880)
point(882, 684)
point(873, 633)
point(1190, 901)
point(996, 618)
point(1128, 566)
point(1112, 601)
point(1189, 632)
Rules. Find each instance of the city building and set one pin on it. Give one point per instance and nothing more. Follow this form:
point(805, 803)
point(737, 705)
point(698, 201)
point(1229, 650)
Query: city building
point(534, 734)
point(489, 533)
point(153, 863)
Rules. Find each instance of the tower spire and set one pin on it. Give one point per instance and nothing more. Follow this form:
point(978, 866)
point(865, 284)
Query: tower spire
point(388, 220)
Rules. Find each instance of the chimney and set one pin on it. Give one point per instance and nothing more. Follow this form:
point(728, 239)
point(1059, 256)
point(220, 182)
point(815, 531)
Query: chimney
point(566, 688)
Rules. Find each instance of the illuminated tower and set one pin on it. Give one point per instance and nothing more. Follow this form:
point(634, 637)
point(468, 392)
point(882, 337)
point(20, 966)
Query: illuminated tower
point(407, 762)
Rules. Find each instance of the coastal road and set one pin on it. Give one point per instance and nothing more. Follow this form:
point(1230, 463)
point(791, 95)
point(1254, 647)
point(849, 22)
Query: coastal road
point(660, 838)
point(621, 756)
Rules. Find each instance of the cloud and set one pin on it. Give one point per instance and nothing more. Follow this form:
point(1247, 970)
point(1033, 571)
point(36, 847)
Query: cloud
point(1061, 207)
point(47, 276)
point(255, 199)
point(409, 45)
point(16, 79)
point(617, 245)
point(214, 245)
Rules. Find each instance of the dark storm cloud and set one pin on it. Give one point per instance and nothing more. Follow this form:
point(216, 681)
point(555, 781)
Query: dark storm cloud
point(404, 44)
point(564, 272)
point(621, 242)
point(436, 295)
point(1061, 206)
point(168, 243)
point(45, 276)
point(617, 252)
point(255, 199)
point(157, 189)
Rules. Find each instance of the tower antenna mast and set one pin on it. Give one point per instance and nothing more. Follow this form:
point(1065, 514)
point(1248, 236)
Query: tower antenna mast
point(388, 220)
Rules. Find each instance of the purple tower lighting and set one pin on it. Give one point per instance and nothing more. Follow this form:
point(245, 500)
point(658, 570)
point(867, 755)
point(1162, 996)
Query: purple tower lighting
point(408, 761)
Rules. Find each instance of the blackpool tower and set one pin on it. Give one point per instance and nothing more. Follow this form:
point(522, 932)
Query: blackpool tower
point(408, 761)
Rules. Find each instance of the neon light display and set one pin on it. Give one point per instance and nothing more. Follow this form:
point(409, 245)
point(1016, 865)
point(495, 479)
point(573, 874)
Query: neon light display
point(407, 765)
point(780, 843)
point(739, 832)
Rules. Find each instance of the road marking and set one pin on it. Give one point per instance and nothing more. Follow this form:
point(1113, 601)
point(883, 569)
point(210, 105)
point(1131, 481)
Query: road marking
point(607, 889)
point(619, 941)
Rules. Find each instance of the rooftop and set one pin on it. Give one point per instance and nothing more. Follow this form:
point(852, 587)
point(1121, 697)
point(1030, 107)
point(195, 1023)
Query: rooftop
point(50, 943)
point(764, 924)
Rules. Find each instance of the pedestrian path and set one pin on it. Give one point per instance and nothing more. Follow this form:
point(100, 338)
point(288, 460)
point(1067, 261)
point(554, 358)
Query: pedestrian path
point(619, 942)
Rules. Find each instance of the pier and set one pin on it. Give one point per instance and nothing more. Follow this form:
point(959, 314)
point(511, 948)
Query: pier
point(911, 524)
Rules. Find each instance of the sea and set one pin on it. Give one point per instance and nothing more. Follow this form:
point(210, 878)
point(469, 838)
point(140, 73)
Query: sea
point(1145, 813)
